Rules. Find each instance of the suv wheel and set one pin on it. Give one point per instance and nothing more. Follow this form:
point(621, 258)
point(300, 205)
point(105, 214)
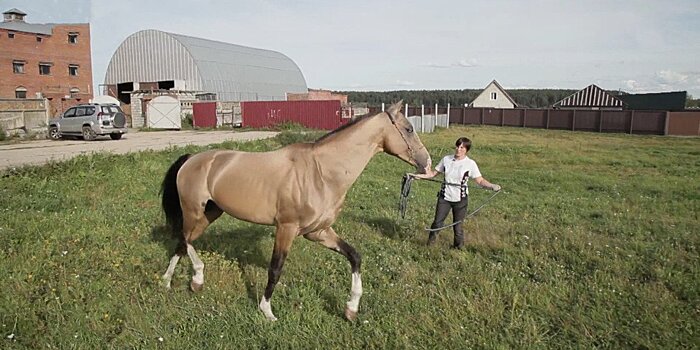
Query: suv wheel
point(115, 136)
point(88, 133)
point(54, 134)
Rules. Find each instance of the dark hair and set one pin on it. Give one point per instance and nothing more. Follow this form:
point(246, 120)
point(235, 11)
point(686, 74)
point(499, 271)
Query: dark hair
point(467, 143)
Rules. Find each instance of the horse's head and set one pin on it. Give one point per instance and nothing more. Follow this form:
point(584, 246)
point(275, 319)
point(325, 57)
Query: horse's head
point(402, 141)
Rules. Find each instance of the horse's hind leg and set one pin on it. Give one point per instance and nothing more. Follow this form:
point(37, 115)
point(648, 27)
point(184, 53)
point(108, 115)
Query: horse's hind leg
point(329, 239)
point(195, 221)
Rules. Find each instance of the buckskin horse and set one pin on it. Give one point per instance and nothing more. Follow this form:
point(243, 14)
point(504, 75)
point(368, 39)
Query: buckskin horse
point(299, 189)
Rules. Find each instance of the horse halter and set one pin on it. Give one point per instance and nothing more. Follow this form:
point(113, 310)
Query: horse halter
point(410, 149)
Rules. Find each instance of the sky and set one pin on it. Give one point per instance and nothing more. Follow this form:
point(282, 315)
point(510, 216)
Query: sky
point(377, 45)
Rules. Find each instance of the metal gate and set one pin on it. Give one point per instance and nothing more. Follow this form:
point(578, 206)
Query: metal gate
point(163, 112)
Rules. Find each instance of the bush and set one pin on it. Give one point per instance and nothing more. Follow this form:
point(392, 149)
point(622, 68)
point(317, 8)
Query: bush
point(187, 122)
point(291, 126)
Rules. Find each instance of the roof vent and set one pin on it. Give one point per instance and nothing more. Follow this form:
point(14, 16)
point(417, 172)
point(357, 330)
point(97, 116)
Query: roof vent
point(13, 15)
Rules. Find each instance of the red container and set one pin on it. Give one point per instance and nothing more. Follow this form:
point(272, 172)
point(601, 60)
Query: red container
point(204, 114)
point(311, 114)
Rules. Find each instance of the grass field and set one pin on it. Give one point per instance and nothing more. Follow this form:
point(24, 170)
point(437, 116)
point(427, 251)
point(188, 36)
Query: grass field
point(593, 244)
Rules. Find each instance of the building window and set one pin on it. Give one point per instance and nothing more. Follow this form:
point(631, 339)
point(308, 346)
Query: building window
point(11, 35)
point(39, 39)
point(73, 69)
point(45, 68)
point(74, 92)
point(20, 92)
point(73, 37)
point(494, 95)
point(18, 67)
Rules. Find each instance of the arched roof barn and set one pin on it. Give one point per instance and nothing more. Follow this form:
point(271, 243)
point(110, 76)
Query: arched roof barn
point(232, 72)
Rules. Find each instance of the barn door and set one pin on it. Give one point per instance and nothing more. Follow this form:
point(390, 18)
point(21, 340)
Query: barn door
point(163, 112)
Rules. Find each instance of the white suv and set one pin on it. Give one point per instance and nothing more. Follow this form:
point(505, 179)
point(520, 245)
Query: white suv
point(89, 121)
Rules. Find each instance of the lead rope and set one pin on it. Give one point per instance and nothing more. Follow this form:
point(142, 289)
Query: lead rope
point(466, 217)
point(406, 190)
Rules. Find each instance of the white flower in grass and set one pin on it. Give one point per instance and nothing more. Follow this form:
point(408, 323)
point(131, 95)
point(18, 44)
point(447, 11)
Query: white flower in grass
point(11, 336)
point(64, 252)
point(160, 339)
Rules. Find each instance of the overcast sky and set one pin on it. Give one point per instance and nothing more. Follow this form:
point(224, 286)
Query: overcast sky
point(635, 46)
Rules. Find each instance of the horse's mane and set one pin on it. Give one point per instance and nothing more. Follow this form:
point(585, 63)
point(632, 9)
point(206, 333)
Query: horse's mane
point(345, 126)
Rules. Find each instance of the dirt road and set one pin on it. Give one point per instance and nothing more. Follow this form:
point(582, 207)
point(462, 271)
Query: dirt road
point(42, 151)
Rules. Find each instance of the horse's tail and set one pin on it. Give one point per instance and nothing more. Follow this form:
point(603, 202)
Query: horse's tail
point(171, 198)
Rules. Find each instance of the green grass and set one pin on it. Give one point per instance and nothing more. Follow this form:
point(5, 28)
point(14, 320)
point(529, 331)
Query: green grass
point(594, 244)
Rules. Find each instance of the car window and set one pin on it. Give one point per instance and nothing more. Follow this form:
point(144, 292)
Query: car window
point(105, 110)
point(89, 110)
point(80, 111)
point(69, 113)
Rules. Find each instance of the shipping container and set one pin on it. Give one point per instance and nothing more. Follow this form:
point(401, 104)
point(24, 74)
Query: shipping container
point(204, 114)
point(325, 115)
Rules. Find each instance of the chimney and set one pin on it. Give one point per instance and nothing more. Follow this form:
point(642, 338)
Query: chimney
point(13, 15)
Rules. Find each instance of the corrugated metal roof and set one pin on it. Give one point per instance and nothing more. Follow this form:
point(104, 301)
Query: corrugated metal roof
point(664, 101)
point(46, 29)
point(591, 96)
point(233, 72)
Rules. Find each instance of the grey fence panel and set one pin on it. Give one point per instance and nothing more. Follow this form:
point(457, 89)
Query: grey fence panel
point(443, 121)
point(429, 122)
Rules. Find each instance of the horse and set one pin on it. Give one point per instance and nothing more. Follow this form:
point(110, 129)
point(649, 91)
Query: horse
point(299, 189)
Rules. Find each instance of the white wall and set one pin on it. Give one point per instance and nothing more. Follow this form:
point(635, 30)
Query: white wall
point(484, 99)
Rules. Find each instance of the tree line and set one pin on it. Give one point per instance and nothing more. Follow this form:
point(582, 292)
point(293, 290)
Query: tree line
point(530, 98)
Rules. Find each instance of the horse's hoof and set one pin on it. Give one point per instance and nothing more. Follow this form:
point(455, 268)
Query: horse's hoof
point(196, 287)
point(350, 315)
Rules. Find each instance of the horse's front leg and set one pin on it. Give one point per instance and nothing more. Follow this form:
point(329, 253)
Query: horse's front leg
point(283, 241)
point(328, 238)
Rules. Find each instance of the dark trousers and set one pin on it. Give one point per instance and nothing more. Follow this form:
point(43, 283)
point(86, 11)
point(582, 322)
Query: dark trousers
point(459, 211)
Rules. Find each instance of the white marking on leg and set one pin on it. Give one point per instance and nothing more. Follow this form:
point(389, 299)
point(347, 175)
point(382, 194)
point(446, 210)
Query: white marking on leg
point(355, 292)
point(197, 264)
point(168, 276)
point(267, 309)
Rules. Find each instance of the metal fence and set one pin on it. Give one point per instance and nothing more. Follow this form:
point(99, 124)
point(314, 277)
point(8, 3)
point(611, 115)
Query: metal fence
point(625, 121)
point(428, 123)
point(686, 123)
point(423, 118)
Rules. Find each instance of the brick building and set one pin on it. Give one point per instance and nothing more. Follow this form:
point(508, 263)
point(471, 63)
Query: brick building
point(317, 95)
point(51, 61)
